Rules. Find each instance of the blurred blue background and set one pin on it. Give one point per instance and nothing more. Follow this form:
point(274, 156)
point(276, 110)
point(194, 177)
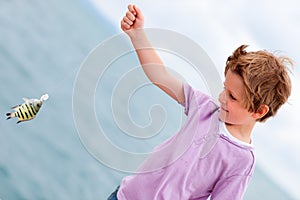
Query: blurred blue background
point(42, 45)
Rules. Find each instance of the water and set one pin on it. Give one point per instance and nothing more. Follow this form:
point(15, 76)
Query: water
point(42, 45)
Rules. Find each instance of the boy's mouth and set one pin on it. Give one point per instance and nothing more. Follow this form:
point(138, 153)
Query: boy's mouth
point(224, 109)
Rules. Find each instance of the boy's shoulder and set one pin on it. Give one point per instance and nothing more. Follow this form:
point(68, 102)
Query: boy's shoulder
point(197, 98)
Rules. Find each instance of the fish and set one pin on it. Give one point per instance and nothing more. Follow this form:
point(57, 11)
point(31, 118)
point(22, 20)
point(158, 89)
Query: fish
point(27, 110)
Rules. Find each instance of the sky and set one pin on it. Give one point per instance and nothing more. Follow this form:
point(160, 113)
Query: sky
point(219, 27)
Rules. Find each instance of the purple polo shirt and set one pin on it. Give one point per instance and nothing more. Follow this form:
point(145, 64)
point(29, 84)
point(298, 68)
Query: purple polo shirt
point(199, 161)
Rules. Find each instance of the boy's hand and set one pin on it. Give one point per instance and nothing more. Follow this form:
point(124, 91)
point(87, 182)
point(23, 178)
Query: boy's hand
point(133, 19)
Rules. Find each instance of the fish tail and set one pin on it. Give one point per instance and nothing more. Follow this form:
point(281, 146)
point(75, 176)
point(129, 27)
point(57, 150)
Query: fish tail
point(10, 115)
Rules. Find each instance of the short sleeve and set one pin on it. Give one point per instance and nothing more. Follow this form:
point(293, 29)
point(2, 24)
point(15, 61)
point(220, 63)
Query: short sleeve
point(194, 99)
point(188, 96)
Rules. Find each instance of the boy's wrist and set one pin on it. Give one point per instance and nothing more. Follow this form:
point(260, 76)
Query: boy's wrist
point(138, 38)
point(136, 34)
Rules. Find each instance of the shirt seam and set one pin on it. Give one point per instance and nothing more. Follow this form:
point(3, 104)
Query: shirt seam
point(248, 148)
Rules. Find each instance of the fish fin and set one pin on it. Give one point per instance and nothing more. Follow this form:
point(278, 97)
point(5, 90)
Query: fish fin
point(15, 107)
point(26, 99)
point(23, 120)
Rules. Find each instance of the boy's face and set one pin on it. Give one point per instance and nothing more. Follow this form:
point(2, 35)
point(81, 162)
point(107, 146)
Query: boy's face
point(231, 100)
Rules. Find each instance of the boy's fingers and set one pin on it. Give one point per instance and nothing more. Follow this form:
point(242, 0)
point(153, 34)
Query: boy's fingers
point(131, 9)
point(130, 16)
point(128, 21)
point(137, 11)
point(124, 25)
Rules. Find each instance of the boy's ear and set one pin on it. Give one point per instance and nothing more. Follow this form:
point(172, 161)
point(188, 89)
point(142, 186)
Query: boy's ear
point(261, 111)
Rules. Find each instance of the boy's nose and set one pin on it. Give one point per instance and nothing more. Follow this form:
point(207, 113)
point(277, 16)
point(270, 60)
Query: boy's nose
point(222, 97)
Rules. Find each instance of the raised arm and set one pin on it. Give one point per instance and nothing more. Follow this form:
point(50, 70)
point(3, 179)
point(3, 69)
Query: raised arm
point(133, 24)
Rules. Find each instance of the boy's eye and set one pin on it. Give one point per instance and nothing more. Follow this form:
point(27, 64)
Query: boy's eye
point(232, 97)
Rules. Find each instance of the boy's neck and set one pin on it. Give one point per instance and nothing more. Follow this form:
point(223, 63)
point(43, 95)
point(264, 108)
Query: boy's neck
point(242, 133)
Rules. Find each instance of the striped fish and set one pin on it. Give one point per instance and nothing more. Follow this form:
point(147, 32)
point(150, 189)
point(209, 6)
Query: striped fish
point(27, 110)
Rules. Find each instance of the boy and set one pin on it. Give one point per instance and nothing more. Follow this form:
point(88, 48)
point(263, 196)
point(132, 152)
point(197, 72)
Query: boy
point(256, 85)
